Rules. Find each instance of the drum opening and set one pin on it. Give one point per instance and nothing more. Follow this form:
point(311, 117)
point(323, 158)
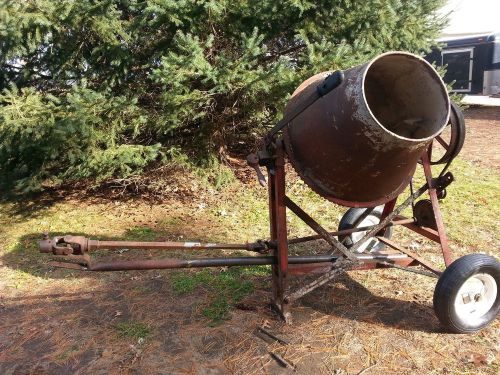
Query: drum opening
point(406, 96)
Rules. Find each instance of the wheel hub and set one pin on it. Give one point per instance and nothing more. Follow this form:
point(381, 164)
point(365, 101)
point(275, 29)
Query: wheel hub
point(476, 297)
point(373, 244)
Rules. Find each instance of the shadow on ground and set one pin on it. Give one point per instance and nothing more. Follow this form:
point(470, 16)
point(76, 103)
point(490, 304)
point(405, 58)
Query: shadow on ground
point(88, 331)
point(134, 322)
point(116, 327)
point(351, 300)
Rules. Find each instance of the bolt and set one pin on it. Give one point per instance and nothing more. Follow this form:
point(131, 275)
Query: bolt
point(466, 298)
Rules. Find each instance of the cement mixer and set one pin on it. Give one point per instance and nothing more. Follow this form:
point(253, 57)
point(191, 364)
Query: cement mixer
point(356, 138)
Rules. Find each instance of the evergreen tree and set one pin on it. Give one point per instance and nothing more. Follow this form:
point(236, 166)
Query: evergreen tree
point(100, 88)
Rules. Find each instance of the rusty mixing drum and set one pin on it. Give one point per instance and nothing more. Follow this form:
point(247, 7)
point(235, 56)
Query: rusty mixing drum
point(358, 145)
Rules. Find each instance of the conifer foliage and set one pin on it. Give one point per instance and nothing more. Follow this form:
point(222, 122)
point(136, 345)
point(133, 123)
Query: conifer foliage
point(101, 88)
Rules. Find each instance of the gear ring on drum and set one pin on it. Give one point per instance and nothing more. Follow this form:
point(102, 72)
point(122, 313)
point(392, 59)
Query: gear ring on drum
point(457, 136)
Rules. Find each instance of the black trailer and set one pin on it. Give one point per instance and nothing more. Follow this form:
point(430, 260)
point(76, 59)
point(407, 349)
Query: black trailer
point(473, 63)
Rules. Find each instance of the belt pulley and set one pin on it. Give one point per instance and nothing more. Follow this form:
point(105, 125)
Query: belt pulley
point(453, 142)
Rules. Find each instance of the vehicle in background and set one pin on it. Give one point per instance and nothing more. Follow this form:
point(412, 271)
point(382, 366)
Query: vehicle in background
point(473, 63)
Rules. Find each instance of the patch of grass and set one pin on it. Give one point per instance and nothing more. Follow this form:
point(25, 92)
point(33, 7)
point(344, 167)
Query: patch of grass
point(141, 234)
point(183, 282)
point(224, 289)
point(215, 173)
point(472, 207)
point(217, 310)
point(172, 221)
point(134, 330)
point(256, 271)
point(232, 284)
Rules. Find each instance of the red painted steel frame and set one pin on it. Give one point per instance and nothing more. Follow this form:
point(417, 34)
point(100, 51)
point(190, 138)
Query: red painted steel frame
point(277, 216)
point(443, 240)
point(278, 244)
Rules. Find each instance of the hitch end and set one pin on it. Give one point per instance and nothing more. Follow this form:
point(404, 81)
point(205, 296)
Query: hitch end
point(64, 245)
point(46, 245)
point(71, 249)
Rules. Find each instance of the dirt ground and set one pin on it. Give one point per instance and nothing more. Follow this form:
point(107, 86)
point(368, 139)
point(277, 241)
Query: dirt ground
point(483, 136)
point(55, 321)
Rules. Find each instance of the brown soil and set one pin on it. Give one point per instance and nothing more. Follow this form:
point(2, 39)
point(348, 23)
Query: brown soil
point(482, 139)
point(372, 320)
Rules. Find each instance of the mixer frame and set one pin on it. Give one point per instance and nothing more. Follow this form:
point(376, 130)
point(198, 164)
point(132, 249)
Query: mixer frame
point(398, 257)
point(73, 251)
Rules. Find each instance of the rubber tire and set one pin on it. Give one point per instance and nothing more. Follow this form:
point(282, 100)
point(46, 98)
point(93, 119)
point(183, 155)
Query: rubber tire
point(449, 284)
point(347, 222)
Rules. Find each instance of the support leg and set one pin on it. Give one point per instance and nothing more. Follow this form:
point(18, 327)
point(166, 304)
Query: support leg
point(279, 233)
point(388, 208)
point(443, 240)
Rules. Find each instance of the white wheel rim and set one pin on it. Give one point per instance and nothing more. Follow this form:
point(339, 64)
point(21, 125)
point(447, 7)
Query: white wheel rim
point(372, 244)
point(475, 298)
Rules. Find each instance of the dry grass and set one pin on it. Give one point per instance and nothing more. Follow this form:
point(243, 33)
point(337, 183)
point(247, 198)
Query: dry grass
point(55, 321)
